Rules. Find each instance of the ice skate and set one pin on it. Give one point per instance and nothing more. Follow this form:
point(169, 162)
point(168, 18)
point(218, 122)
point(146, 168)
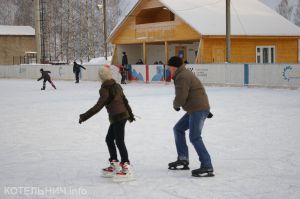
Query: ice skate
point(125, 173)
point(110, 171)
point(203, 172)
point(179, 165)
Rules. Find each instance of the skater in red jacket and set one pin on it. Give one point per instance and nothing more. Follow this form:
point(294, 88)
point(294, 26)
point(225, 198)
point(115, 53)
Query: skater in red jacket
point(46, 77)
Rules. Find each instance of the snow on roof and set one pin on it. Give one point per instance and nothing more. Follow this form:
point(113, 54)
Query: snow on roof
point(208, 17)
point(249, 17)
point(16, 30)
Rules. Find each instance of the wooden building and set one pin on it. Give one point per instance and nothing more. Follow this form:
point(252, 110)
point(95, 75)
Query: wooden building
point(15, 41)
point(155, 30)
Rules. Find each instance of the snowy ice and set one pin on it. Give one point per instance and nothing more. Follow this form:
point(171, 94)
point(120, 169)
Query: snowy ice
point(253, 139)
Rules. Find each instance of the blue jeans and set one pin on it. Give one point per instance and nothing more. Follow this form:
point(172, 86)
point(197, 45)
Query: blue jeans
point(194, 122)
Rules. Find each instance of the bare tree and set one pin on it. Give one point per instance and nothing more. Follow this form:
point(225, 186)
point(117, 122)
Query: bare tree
point(285, 9)
point(7, 14)
point(74, 27)
point(297, 14)
point(24, 13)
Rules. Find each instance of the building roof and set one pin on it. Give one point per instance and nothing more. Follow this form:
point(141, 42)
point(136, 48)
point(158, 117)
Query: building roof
point(16, 30)
point(208, 17)
point(249, 17)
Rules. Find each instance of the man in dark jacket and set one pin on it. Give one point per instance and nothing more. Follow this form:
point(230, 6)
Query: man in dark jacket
point(123, 69)
point(46, 77)
point(76, 70)
point(124, 59)
point(191, 96)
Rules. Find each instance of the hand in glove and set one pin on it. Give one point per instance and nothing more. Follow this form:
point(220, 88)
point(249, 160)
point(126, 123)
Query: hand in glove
point(80, 119)
point(210, 115)
point(131, 117)
point(176, 108)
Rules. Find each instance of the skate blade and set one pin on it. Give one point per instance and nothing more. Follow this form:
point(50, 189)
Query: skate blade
point(175, 168)
point(107, 175)
point(203, 175)
point(123, 179)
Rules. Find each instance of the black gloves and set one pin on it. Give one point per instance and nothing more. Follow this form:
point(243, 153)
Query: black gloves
point(176, 109)
point(210, 115)
point(131, 117)
point(80, 119)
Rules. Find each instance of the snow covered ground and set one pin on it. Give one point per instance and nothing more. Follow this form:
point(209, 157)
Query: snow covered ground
point(253, 139)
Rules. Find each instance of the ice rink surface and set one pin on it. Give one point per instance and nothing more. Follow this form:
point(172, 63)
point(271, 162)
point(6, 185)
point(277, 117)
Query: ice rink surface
point(253, 139)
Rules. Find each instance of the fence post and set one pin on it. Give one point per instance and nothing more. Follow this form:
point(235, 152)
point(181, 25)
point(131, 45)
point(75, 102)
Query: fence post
point(147, 73)
point(246, 74)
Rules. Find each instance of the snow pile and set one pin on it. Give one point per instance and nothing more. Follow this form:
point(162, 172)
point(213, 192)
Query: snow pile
point(99, 61)
point(102, 62)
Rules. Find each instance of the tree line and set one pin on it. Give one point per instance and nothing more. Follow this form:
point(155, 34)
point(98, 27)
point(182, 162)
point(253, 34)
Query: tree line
point(72, 29)
point(288, 11)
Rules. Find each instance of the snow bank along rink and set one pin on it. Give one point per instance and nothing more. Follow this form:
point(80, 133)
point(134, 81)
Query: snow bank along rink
point(253, 139)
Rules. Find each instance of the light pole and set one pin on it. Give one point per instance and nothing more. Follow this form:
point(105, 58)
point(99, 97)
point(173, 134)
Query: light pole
point(37, 30)
point(228, 32)
point(103, 7)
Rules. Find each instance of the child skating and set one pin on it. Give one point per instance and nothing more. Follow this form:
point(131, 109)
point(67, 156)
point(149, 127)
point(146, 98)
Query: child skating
point(119, 111)
point(46, 77)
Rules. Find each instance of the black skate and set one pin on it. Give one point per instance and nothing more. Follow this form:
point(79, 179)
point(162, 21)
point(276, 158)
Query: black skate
point(203, 172)
point(179, 165)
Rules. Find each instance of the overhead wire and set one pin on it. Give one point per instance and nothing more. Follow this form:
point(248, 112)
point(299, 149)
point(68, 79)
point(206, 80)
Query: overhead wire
point(238, 17)
point(201, 6)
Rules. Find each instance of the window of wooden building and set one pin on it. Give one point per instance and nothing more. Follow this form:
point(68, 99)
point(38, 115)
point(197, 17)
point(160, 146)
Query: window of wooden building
point(154, 15)
point(265, 54)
